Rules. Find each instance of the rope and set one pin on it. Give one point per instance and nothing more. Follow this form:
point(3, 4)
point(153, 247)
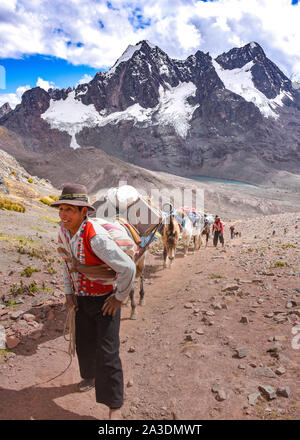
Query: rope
point(148, 243)
point(70, 324)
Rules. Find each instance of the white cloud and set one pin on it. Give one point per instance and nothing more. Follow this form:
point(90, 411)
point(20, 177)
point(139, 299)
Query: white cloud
point(85, 79)
point(13, 98)
point(44, 84)
point(20, 90)
point(70, 31)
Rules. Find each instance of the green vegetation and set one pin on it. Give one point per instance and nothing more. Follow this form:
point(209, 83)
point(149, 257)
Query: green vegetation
point(249, 250)
point(18, 238)
point(39, 230)
point(50, 219)
point(214, 276)
point(288, 245)
point(30, 180)
point(279, 264)
point(48, 200)
point(10, 303)
point(4, 352)
point(51, 270)
point(32, 252)
point(23, 289)
point(26, 289)
point(28, 271)
point(54, 198)
point(26, 246)
point(9, 205)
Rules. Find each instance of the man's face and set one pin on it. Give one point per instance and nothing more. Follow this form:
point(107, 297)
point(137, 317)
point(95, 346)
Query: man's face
point(71, 217)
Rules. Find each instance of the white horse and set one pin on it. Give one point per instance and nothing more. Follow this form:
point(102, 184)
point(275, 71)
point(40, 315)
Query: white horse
point(208, 221)
point(190, 231)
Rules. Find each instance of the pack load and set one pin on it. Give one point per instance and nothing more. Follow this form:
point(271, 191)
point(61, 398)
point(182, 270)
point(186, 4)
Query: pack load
point(126, 202)
point(195, 217)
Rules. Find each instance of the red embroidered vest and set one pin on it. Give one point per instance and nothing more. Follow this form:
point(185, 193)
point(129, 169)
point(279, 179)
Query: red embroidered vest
point(87, 256)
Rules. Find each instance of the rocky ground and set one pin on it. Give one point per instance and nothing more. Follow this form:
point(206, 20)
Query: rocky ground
point(218, 338)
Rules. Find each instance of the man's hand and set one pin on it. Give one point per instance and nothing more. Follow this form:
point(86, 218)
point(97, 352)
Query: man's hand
point(111, 305)
point(71, 301)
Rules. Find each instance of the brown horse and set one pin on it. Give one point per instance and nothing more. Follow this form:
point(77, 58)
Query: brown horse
point(206, 232)
point(170, 236)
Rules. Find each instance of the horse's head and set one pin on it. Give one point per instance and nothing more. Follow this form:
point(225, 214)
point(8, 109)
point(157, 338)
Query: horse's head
point(170, 236)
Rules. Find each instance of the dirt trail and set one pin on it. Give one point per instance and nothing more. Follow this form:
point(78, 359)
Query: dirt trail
point(180, 355)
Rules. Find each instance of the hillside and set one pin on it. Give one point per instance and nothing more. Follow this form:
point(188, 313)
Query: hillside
point(235, 308)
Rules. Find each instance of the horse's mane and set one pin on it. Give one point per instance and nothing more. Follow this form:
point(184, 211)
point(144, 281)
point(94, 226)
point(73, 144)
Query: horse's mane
point(180, 213)
point(171, 227)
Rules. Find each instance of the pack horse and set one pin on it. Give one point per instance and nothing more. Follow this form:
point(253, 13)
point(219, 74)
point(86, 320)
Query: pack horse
point(122, 204)
point(170, 237)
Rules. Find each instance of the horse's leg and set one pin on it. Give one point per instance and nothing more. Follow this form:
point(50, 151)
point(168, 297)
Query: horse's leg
point(200, 241)
point(197, 241)
point(142, 292)
point(197, 244)
point(133, 305)
point(165, 257)
point(185, 248)
point(171, 261)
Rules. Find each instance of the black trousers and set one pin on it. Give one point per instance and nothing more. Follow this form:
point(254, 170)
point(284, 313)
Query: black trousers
point(218, 236)
point(97, 347)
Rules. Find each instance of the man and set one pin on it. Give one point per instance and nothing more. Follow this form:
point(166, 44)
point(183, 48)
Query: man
point(232, 233)
point(97, 303)
point(217, 230)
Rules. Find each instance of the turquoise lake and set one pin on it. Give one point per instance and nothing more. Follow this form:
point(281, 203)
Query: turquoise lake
point(212, 179)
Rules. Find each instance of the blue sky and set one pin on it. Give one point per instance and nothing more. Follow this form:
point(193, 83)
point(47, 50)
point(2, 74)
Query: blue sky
point(61, 43)
point(55, 70)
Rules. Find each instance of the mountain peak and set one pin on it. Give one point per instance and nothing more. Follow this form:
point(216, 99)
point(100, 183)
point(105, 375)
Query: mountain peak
point(239, 56)
point(254, 49)
point(126, 56)
point(4, 109)
point(129, 52)
point(147, 43)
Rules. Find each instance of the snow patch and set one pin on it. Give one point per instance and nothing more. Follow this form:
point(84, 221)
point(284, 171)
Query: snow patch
point(164, 70)
point(82, 92)
point(152, 46)
point(174, 108)
point(71, 115)
point(240, 82)
point(125, 57)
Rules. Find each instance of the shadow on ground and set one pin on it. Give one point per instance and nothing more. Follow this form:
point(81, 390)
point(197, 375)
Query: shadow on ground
point(37, 403)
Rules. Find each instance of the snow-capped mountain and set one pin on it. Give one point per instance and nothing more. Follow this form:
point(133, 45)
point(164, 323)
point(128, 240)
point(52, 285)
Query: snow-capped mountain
point(235, 116)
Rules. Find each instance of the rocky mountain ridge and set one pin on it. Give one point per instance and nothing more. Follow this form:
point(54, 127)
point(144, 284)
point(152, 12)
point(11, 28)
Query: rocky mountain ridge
point(236, 116)
point(4, 109)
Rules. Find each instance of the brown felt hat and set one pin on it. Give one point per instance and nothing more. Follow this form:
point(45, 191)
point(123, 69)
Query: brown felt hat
point(74, 194)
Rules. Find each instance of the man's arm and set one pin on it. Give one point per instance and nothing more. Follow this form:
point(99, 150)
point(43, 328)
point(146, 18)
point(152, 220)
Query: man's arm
point(69, 294)
point(111, 254)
